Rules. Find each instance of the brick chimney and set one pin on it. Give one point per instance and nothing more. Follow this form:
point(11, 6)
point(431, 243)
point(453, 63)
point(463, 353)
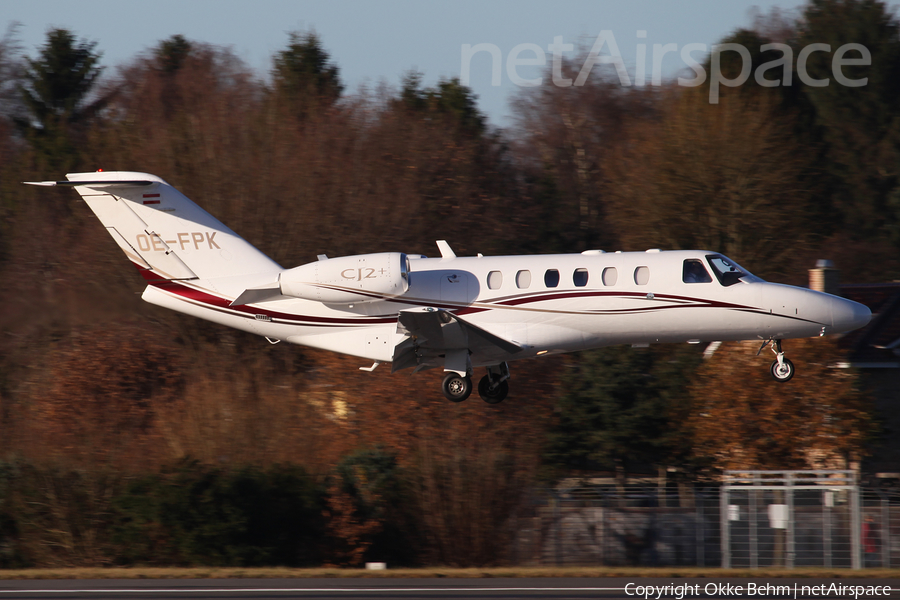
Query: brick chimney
point(825, 278)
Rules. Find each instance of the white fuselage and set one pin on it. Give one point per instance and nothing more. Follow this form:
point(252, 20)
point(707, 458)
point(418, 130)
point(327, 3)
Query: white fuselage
point(600, 299)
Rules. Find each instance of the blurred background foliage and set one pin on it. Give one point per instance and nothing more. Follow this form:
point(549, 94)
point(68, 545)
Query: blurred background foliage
point(132, 435)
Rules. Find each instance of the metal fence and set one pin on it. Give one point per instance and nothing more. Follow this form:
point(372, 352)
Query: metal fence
point(790, 519)
point(880, 528)
point(753, 520)
point(598, 524)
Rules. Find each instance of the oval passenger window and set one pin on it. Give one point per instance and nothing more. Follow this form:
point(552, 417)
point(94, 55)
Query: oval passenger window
point(642, 275)
point(580, 277)
point(609, 276)
point(523, 279)
point(551, 278)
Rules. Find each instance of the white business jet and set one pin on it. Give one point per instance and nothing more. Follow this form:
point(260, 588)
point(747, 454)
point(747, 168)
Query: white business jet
point(452, 312)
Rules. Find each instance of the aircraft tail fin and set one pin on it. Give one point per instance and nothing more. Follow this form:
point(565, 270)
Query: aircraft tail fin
point(163, 232)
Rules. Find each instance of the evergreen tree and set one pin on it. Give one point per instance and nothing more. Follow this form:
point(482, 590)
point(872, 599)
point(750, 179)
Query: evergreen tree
point(304, 75)
point(861, 124)
point(171, 53)
point(449, 99)
point(57, 86)
point(620, 408)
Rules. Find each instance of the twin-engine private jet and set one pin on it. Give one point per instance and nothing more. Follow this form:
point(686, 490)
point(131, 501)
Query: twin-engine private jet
point(454, 313)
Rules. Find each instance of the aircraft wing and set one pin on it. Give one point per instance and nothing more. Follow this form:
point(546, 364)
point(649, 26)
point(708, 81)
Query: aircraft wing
point(436, 334)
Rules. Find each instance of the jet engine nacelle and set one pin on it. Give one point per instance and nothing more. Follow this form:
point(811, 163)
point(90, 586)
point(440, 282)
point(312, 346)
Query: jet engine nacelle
point(349, 279)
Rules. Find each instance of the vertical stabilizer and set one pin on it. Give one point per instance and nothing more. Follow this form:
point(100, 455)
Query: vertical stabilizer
point(162, 231)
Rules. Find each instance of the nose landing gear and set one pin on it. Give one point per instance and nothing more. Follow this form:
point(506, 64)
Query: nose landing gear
point(782, 369)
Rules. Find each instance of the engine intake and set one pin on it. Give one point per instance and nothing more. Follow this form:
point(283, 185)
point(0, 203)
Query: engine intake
point(349, 279)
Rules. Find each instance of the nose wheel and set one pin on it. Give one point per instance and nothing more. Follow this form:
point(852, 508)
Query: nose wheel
point(782, 369)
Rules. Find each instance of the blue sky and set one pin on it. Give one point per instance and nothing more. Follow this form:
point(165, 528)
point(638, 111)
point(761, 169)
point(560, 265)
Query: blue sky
point(373, 41)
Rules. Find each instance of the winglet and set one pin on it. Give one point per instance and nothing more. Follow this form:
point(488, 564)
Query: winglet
point(446, 251)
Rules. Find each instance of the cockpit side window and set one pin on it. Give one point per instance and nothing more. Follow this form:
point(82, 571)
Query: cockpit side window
point(727, 271)
point(694, 272)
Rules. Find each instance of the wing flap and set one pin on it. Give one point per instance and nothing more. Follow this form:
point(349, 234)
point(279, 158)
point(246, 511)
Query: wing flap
point(436, 333)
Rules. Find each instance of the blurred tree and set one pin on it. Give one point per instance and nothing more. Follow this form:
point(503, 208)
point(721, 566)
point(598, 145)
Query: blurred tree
point(194, 514)
point(362, 508)
point(56, 90)
point(171, 53)
point(564, 138)
point(742, 419)
point(860, 123)
point(621, 408)
point(101, 408)
point(11, 74)
point(726, 177)
point(450, 99)
point(304, 77)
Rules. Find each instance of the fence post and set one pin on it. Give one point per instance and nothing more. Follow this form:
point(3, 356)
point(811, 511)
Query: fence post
point(557, 518)
point(701, 528)
point(885, 530)
point(789, 560)
point(754, 521)
point(723, 520)
point(827, 503)
point(855, 530)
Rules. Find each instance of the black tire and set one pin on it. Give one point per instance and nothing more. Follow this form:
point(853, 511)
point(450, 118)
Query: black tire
point(495, 396)
point(456, 388)
point(784, 374)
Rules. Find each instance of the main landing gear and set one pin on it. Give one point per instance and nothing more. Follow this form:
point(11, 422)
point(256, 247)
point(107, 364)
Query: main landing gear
point(492, 388)
point(782, 369)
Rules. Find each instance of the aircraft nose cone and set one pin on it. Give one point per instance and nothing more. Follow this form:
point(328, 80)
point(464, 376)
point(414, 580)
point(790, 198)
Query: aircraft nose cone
point(849, 315)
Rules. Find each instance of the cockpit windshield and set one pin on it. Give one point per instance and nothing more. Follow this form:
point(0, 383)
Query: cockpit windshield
point(729, 272)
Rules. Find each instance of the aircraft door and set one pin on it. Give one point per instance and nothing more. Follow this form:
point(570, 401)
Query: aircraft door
point(457, 287)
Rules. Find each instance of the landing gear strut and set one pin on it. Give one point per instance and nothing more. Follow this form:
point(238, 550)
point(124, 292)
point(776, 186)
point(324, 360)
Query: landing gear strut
point(782, 369)
point(494, 386)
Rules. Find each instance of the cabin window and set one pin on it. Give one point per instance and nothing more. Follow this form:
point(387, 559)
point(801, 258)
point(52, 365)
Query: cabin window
point(609, 276)
point(642, 275)
point(580, 277)
point(494, 280)
point(551, 278)
point(523, 279)
point(694, 272)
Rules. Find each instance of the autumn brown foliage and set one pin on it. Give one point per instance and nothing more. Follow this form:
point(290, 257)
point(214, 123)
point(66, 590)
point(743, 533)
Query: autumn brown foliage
point(103, 397)
point(743, 419)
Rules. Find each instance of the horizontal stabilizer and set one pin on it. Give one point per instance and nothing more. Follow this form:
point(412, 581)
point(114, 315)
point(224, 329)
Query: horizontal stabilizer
point(270, 291)
point(92, 184)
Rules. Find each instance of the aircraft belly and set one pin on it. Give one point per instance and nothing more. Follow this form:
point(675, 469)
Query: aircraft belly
point(371, 343)
point(154, 295)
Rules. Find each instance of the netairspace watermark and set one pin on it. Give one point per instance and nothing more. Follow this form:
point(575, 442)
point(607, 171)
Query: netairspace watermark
point(611, 55)
point(720, 590)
